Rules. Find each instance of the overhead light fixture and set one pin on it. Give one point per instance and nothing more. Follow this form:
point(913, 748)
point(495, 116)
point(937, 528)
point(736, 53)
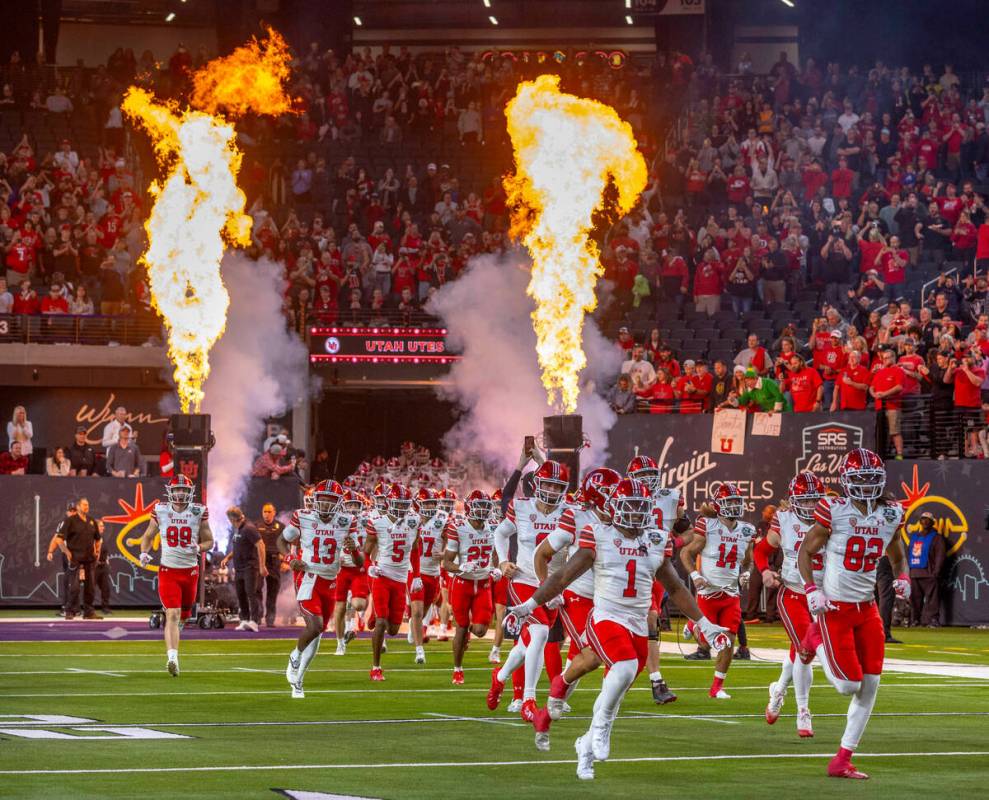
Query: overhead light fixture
point(494, 20)
point(787, 3)
point(628, 3)
point(358, 22)
point(170, 17)
point(487, 3)
point(628, 19)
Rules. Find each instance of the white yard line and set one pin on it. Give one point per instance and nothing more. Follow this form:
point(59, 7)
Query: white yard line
point(446, 689)
point(488, 720)
point(95, 672)
point(458, 764)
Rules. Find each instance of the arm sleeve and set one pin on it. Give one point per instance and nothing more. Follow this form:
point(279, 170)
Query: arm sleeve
point(508, 491)
point(700, 526)
point(586, 539)
point(452, 538)
point(761, 553)
point(560, 538)
point(502, 536)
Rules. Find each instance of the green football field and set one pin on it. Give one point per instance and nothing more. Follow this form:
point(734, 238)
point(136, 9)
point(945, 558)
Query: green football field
point(416, 736)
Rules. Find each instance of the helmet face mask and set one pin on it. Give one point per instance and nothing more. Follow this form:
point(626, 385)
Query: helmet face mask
point(478, 509)
point(864, 484)
point(398, 507)
point(550, 491)
point(325, 503)
point(731, 507)
point(649, 476)
point(180, 491)
point(631, 512)
point(803, 506)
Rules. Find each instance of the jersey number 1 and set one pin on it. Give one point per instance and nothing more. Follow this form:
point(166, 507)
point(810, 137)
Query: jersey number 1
point(630, 568)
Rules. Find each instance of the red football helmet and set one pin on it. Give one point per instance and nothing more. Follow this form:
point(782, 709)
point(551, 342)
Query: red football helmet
point(422, 456)
point(805, 491)
point(630, 504)
point(457, 472)
point(393, 464)
point(426, 502)
point(437, 465)
point(645, 469)
point(550, 482)
point(379, 494)
point(350, 482)
point(728, 501)
point(180, 490)
point(447, 500)
point(378, 464)
point(364, 468)
point(326, 497)
point(399, 500)
point(478, 506)
point(352, 503)
point(597, 486)
point(408, 448)
point(862, 474)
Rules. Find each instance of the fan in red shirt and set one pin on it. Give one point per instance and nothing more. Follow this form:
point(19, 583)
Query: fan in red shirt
point(842, 180)
point(951, 204)
point(852, 386)
point(403, 276)
point(887, 389)
point(893, 265)
point(738, 187)
point(689, 390)
point(661, 394)
point(667, 361)
point(55, 302)
point(805, 385)
point(708, 284)
point(914, 368)
point(625, 340)
point(830, 357)
point(674, 276)
point(813, 177)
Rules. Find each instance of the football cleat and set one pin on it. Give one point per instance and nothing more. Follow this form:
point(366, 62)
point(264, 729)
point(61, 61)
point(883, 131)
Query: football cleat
point(541, 722)
point(528, 711)
point(661, 693)
point(341, 648)
point(292, 670)
point(566, 707)
point(601, 740)
point(556, 702)
point(420, 656)
point(775, 705)
point(494, 657)
point(721, 695)
point(377, 674)
point(297, 692)
point(805, 730)
point(585, 758)
point(743, 654)
point(173, 668)
point(698, 655)
point(408, 636)
point(514, 707)
point(349, 636)
point(845, 769)
point(458, 677)
point(494, 693)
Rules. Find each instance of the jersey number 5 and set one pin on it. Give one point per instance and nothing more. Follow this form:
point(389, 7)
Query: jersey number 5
point(178, 537)
point(816, 560)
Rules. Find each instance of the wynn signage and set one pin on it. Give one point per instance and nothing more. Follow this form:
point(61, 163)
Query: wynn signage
point(55, 413)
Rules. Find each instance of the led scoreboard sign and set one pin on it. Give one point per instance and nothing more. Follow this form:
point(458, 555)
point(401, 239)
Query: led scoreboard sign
point(384, 345)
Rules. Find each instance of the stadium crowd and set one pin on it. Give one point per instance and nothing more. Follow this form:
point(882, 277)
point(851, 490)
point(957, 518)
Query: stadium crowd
point(781, 259)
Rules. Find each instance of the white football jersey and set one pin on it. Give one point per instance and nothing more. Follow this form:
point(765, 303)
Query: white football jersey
point(666, 507)
point(723, 553)
point(431, 542)
point(179, 532)
point(471, 545)
point(624, 569)
point(321, 541)
point(395, 541)
point(530, 526)
point(791, 530)
point(857, 542)
point(564, 540)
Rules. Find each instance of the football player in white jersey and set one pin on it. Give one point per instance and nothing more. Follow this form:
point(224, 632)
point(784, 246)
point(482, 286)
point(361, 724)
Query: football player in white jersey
point(854, 531)
point(429, 554)
point(351, 587)
point(625, 554)
point(530, 521)
point(724, 544)
point(787, 531)
point(499, 588)
point(390, 540)
point(669, 513)
point(323, 536)
point(184, 532)
point(447, 504)
point(578, 597)
point(467, 559)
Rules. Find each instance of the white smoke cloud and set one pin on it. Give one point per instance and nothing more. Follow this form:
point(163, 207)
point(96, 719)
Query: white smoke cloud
point(259, 370)
point(497, 382)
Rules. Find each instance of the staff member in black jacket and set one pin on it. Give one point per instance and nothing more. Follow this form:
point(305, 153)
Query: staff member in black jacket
point(77, 539)
point(70, 511)
point(270, 529)
point(246, 548)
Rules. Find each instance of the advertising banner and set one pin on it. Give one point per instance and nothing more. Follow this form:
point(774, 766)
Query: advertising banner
point(33, 506)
